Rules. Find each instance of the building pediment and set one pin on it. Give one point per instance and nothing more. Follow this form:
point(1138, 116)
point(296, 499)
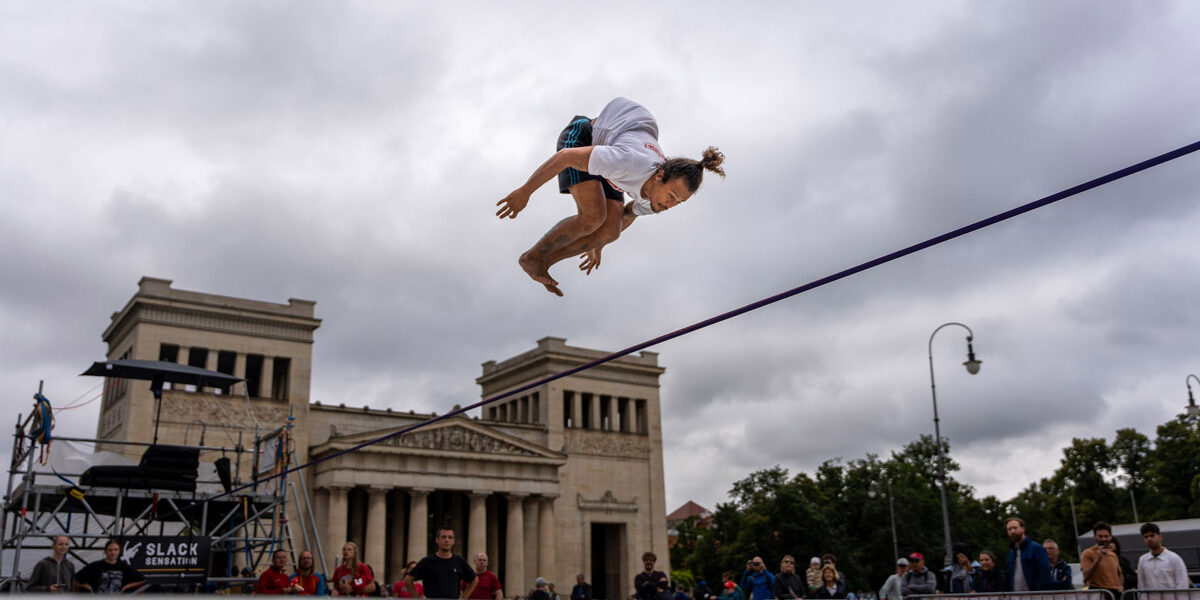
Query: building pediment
point(456, 436)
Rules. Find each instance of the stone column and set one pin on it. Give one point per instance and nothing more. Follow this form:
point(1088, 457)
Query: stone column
point(376, 542)
point(596, 424)
point(514, 547)
point(478, 526)
point(531, 536)
point(418, 523)
point(547, 562)
point(267, 379)
point(396, 543)
point(335, 529)
point(493, 531)
point(576, 411)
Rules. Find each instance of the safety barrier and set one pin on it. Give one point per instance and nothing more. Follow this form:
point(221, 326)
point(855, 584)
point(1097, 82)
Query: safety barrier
point(1188, 594)
point(1047, 595)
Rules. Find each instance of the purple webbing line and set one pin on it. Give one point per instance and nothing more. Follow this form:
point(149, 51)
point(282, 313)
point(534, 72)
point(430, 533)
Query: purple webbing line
point(1083, 187)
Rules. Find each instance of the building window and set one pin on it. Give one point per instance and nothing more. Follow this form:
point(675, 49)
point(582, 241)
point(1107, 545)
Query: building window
point(279, 380)
point(569, 419)
point(623, 415)
point(168, 353)
point(586, 401)
point(606, 413)
point(253, 377)
point(643, 425)
point(197, 357)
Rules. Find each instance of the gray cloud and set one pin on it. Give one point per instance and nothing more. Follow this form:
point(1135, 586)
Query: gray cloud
point(352, 154)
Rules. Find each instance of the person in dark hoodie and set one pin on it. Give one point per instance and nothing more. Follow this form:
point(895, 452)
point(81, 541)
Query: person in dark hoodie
point(789, 585)
point(991, 578)
point(54, 573)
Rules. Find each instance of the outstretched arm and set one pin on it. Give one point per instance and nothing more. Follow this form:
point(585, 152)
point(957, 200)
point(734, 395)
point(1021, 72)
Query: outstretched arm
point(575, 158)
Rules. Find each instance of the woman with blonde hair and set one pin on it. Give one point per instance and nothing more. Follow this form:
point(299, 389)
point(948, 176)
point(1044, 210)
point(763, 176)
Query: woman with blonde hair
point(352, 577)
point(830, 586)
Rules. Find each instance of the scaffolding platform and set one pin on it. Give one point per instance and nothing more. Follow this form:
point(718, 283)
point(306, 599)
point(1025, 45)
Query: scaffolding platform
point(238, 531)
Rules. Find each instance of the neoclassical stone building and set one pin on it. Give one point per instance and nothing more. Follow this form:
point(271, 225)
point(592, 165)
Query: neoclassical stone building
point(565, 478)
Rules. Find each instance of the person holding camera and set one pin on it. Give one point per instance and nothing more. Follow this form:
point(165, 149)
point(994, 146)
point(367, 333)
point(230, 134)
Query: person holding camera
point(1100, 566)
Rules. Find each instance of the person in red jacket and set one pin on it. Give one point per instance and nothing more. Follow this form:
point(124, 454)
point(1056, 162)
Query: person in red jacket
point(274, 581)
point(352, 577)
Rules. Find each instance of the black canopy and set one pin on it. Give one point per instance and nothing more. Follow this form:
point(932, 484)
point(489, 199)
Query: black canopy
point(159, 372)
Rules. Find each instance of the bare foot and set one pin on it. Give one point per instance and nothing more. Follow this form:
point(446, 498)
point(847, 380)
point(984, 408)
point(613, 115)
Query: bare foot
point(538, 272)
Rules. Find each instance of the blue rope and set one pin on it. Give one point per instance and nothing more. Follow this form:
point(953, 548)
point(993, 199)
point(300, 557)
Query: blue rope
point(1004, 216)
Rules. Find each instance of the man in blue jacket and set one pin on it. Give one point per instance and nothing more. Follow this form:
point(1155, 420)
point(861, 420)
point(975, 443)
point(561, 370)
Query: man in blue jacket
point(758, 582)
point(1028, 565)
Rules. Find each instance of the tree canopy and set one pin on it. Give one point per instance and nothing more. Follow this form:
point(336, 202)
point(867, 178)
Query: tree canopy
point(843, 507)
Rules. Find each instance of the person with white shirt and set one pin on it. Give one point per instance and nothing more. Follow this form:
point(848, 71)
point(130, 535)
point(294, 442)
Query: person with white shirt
point(1160, 569)
point(598, 162)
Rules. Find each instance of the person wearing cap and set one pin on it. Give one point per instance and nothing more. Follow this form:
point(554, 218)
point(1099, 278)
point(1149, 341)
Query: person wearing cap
point(813, 575)
point(918, 579)
point(891, 587)
point(540, 589)
point(730, 590)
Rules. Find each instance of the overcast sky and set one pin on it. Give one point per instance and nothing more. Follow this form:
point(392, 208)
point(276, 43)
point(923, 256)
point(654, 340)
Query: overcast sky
point(352, 153)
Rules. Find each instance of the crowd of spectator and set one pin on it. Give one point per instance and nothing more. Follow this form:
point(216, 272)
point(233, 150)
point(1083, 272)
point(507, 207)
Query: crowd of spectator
point(1029, 567)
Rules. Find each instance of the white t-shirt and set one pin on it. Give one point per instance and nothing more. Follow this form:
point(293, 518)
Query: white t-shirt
point(626, 152)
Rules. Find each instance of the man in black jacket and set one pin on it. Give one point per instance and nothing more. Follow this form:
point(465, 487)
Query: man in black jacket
point(582, 589)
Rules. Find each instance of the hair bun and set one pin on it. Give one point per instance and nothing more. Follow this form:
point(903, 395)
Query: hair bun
point(712, 160)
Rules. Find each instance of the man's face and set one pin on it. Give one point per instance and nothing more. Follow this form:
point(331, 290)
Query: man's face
point(669, 195)
point(306, 560)
point(788, 566)
point(1051, 551)
point(1015, 530)
point(61, 545)
point(445, 539)
point(481, 562)
point(579, 579)
point(1153, 540)
point(757, 564)
point(915, 563)
point(279, 560)
point(648, 563)
point(112, 552)
point(1103, 537)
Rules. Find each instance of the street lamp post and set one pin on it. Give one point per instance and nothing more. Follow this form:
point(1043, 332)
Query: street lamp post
point(891, 511)
point(1192, 409)
point(972, 365)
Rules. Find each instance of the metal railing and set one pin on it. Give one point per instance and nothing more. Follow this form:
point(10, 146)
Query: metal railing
point(1046, 595)
point(1188, 594)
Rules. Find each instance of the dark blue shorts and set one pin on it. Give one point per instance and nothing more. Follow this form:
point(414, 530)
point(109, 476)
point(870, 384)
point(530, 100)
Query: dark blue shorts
point(576, 134)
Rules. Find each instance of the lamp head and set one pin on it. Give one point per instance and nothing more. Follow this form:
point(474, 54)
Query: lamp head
point(972, 363)
point(1192, 409)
